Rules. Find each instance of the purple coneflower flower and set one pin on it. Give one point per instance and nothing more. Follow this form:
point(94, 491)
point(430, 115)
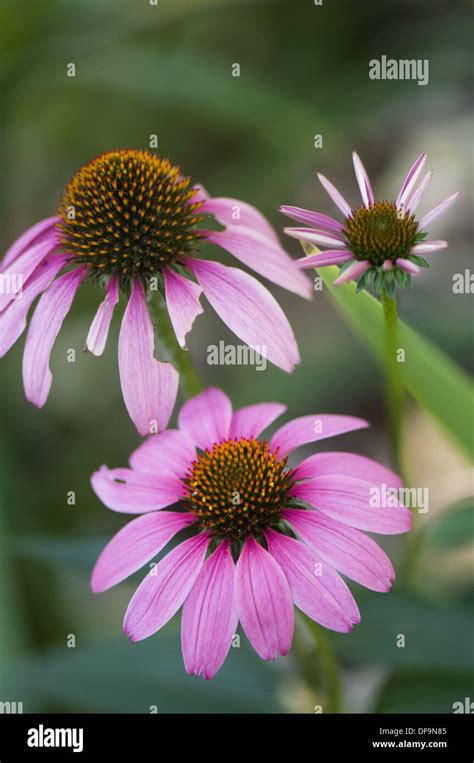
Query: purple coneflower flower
point(128, 220)
point(264, 537)
point(379, 244)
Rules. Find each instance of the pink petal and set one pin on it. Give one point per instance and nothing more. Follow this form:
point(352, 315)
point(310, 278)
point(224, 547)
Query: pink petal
point(408, 267)
point(438, 210)
point(168, 451)
point(253, 419)
point(206, 418)
point(316, 219)
point(410, 181)
point(149, 388)
point(316, 588)
point(263, 255)
point(27, 239)
point(350, 464)
point(417, 196)
point(13, 318)
point(330, 257)
point(311, 429)
point(200, 194)
point(45, 325)
point(429, 246)
point(99, 330)
point(349, 551)
point(132, 492)
point(387, 266)
point(337, 198)
point(24, 265)
point(209, 618)
point(134, 545)
point(249, 310)
point(264, 602)
point(353, 272)
point(182, 300)
point(165, 588)
point(316, 237)
point(348, 499)
point(232, 212)
point(363, 181)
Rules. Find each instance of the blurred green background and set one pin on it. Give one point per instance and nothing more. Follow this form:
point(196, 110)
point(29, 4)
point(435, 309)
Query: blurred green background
point(167, 70)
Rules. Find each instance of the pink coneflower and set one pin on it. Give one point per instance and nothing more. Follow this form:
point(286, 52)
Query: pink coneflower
point(263, 536)
point(128, 221)
point(380, 244)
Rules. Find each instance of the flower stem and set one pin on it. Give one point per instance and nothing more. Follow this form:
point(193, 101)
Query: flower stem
point(318, 666)
point(393, 380)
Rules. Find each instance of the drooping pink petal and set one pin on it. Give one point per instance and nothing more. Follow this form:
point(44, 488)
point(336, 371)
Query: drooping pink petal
point(168, 451)
point(407, 266)
point(337, 197)
point(23, 266)
point(182, 301)
point(353, 272)
point(350, 464)
point(387, 266)
point(264, 601)
point(409, 183)
point(417, 196)
point(149, 387)
point(253, 419)
point(165, 588)
point(13, 318)
point(316, 588)
point(132, 492)
point(134, 545)
point(200, 194)
point(263, 255)
point(99, 330)
point(363, 180)
point(329, 257)
point(27, 239)
point(307, 429)
point(439, 209)
point(316, 219)
point(249, 310)
point(321, 238)
point(44, 327)
point(349, 551)
point(426, 247)
point(209, 618)
point(355, 502)
point(232, 212)
point(206, 418)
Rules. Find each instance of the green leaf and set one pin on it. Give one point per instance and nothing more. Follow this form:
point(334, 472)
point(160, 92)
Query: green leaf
point(419, 260)
point(454, 527)
point(424, 692)
point(431, 377)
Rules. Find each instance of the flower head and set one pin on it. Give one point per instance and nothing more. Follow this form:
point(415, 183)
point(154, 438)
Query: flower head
point(129, 222)
point(258, 536)
point(380, 244)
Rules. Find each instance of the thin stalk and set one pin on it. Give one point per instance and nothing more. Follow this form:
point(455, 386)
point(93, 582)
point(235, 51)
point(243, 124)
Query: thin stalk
point(393, 378)
point(319, 666)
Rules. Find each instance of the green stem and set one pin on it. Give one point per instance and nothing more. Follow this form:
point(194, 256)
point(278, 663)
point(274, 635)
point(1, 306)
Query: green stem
point(393, 378)
point(318, 665)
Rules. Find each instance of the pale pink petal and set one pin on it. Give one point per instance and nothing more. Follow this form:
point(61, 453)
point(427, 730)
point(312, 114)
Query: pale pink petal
point(307, 429)
point(263, 255)
point(165, 588)
point(149, 388)
point(132, 492)
point(355, 502)
point(337, 197)
point(316, 588)
point(321, 238)
point(349, 551)
point(45, 325)
point(417, 196)
point(200, 194)
point(408, 267)
point(353, 272)
point(134, 545)
point(363, 181)
point(439, 209)
point(329, 257)
point(387, 266)
point(13, 318)
point(409, 183)
point(27, 239)
point(206, 418)
point(24, 265)
point(316, 219)
point(99, 330)
point(229, 211)
point(264, 602)
point(168, 451)
point(349, 464)
point(253, 419)
point(182, 301)
point(426, 247)
point(209, 619)
point(249, 310)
